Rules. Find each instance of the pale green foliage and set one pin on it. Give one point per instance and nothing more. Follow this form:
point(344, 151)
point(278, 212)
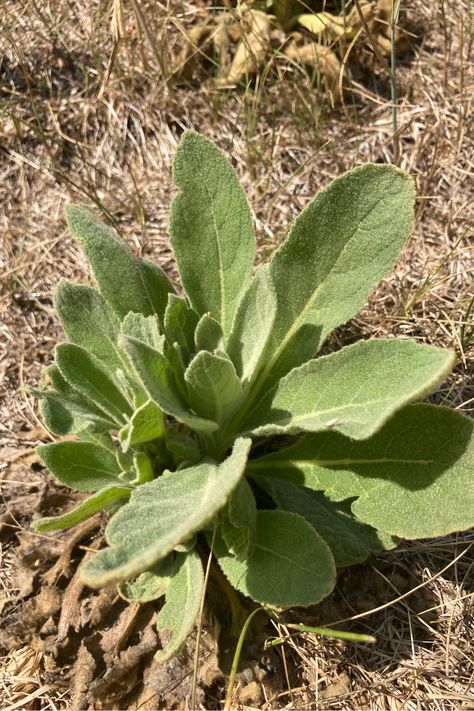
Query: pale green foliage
point(168, 395)
point(211, 230)
point(183, 599)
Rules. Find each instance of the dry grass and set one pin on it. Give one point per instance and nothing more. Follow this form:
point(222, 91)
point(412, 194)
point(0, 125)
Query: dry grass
point(84, 117)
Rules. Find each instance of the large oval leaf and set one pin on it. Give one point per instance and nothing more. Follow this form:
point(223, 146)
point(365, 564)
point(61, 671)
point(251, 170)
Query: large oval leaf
point(81, 465)
point(290, 566)
point(413, 479)
point(353, 391)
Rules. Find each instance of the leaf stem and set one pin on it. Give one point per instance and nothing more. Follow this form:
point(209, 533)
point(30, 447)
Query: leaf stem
point(325, 632)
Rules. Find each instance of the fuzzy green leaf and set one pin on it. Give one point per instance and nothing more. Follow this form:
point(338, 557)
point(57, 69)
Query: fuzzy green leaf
point(97, 502)
point(145, 329)
point(163, 514)
point(146, 424)
point(180, 323)
point(414, 478)
point(150, 585)
point(157, 285)
point(185, 448)
point(81, 465)
point(208, 335)
point(88, 321)
point(290, 566)
point(183, 599)
point(66, 410)
point(143, 467)
point(86, 374)
point(239, 521)
point(350, 540)
point(337, 250)
point(211, 230)
point(126, 282)
point(353, 391)
point(157, 377)
point(214, 388)
point(252, 328)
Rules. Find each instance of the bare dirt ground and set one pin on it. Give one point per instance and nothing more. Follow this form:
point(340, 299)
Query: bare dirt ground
point(85, 118)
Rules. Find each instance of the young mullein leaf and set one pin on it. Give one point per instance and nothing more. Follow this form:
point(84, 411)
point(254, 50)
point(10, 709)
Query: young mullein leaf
point(211, 230)
point(86, 374)
point(176, 358)
point(57, 417)
point(239, 521)
point(157, 285)
point(145, 329)
point(101, 438)
point(180, 323)
point(353, 391)
point(126, 282)
point(414, 477)
point(99, 501)
point(208, 335)
point(150, 585)
point(350, 540)
point(157, 377)
point(183, 447)
point(67, 410)
point(252, 328)
point(146, 424)
point(214, 388)
point(81, 465)
point(88, 321)
point(143, 467)
point(290, 566)
point(169, 510)
point(337, 250)
point(178, 615)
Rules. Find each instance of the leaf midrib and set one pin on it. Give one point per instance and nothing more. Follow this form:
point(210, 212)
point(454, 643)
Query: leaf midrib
point(256, 388)
point(283, 464)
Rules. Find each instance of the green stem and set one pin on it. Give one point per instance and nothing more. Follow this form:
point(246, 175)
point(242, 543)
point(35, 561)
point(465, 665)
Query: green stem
point(236, 659)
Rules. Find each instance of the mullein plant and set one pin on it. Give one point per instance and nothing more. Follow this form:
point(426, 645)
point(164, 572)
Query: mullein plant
point(204, 423)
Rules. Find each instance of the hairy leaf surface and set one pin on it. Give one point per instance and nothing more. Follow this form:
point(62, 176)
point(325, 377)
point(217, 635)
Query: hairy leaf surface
point(86, 374)
point(158, 379)
point(290, 566)
point(353, 391)
point(337, 250)
point(126, 282)
point(211, 230)
point(183, 600)
point(162, 514)
point(239, 521)
point(350, 540)
point(180, 323)
point(208, 335)
point(88, 321)
point(146, 424)
point(81, 465)
point(150, 585)
point(413, 478)
point(252, 328)
point(145, 329)
point(214, 388)
point(69, 410)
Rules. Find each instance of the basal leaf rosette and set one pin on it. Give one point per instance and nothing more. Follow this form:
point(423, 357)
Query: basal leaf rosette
point(180, 399)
